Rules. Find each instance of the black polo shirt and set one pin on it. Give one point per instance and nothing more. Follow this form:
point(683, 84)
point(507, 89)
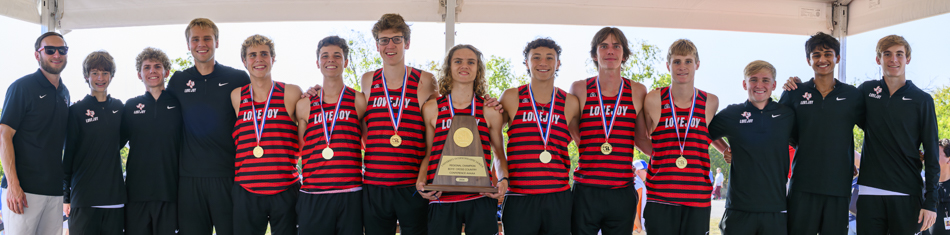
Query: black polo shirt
point(37, 111)
point(824, 157)
point(153, 129)
point(759, 142)
point(897, 125)
point(91, 161)
point(208, 149)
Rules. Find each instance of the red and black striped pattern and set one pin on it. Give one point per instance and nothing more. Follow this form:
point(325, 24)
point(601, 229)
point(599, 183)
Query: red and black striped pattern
point(277, 169)
point(387, 165)
point(666, 183)
point(442, 127)
point(527, 174)
point(594, 168)
point(344, 170)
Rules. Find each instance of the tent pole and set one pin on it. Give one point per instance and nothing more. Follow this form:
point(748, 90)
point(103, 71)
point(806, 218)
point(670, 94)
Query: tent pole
point(840, 30)
point(449, 24)
point(50, 15)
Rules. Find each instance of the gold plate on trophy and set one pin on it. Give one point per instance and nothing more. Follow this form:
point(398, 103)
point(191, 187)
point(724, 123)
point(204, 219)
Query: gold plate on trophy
point(462, 167)
point(463, 137)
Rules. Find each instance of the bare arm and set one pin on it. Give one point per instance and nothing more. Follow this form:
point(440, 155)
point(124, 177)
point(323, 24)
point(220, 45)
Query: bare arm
point(366, 84)
point(236, 101)
point(641, 138)
point(578, 89)
point(572, 113)
point(430, 114)
point(303, 118)
point(497, 141)
point(428, 89)
point(16, 198)
point(292, 94)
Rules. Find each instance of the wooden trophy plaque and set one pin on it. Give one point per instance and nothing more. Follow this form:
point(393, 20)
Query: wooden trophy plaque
point(462, 167)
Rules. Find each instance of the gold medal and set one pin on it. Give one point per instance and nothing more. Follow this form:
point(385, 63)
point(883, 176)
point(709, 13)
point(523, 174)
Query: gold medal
point(395, 140)
point(463, 137)
point(258, 152)
point(327, 153)
point(545, 157)
point(606, 148)
point(681, 162)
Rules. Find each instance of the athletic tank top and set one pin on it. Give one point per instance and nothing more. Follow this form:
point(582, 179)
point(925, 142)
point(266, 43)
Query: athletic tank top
point(442, 127)
point(527, 174)
point(343, 171)
point(612, 170)
point(276, 170)
point(666, 183)
point(387, 165)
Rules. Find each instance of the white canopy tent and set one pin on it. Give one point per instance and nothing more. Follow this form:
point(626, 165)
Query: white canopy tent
point(798, 17)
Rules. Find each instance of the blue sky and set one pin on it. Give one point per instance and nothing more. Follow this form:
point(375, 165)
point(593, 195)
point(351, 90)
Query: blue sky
point(723, 54)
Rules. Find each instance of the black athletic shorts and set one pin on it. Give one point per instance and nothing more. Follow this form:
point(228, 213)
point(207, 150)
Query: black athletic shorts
point(543, 214)
point(610, 211)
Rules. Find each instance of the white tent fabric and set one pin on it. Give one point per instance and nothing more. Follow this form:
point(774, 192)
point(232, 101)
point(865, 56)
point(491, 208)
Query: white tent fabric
point(799, 17)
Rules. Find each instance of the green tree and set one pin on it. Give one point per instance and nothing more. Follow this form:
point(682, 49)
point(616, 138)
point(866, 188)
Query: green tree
point(363, 58)
point(942, 107)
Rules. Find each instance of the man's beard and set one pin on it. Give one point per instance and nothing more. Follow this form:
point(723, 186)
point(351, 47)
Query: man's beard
point(49, 68)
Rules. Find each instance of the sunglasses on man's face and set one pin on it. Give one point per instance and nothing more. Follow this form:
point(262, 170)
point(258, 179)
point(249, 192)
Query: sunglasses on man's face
point(50, 50)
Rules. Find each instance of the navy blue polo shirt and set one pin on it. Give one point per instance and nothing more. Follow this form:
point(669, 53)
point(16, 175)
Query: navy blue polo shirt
point(208, 149)
point(824, 126)
point(897, 126)
point(37, 110)
point(153, 129)
point(759, 142)
point(91, 161)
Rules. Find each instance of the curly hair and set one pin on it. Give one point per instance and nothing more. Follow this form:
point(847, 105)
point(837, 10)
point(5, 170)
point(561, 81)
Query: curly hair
point(154, 54)
point(445, 74)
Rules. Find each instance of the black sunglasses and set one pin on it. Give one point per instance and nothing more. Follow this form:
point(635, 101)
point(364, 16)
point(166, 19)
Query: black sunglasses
point(385, 41)
point(50, 50)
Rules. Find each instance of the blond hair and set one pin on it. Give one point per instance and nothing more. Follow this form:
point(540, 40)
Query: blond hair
point(757, 66)
point(892, 40)
point(203, 23)
point(682, 47)
point(257, 40)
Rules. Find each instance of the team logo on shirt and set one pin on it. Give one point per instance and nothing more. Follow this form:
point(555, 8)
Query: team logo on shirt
point(381, 101)
point(246, 100)
point(141, 109)
point(314, 104)
point(443, 109)
point(746, 115)
point(807, 100)
point(376, 86)
point(318, 118)
point(877, 93)
point(525, 100)
point(591, 94)
point(666, 106)
point(92, 116)
point(191, 86)
point(621, 110)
